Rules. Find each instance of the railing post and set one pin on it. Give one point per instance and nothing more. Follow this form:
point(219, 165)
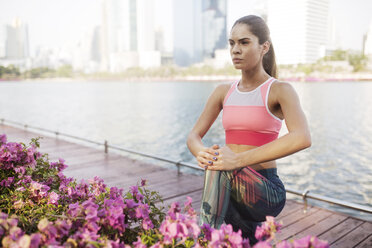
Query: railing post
point(304, 194)
point(25, 126)
point(178, 164)
point(106, 147)
point(57, 133)
point(2, 121)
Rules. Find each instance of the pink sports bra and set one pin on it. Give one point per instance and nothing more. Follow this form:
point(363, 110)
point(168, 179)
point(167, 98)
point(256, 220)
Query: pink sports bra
point(246, 117)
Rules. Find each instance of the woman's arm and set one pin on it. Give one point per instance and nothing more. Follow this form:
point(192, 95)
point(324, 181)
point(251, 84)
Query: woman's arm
point(211, 111)
point(297, 138)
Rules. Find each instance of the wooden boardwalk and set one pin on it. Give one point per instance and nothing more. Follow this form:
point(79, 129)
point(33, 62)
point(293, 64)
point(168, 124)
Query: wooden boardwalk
point(84, 162)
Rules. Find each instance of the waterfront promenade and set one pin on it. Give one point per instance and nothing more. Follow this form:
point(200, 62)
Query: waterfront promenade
point(117, 170)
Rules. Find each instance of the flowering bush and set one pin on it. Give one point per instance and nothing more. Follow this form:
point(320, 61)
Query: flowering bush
point(41, 207)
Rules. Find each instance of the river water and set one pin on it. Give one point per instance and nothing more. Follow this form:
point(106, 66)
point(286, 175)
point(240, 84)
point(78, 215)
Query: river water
point(155, 118)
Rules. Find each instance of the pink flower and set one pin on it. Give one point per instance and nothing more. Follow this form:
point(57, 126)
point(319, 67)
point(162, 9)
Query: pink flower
point(304, 242)
point(317, 243)
point(2, 139)
point(157, 245)
point(188, 206)
point(147, 224)
point(97, 186)
point(43, 224)
point(143, 182)
point(39, 190)
point(207, 230)
point(35, 240)
point(53, 198)
point(284, 244)
point(139, 197)
point(235, 239)
point(268, 229)
point(139, 244)
point(133, 190)
point(142, 211)
point(7, 182)
point(310, 241)
point(18, 204)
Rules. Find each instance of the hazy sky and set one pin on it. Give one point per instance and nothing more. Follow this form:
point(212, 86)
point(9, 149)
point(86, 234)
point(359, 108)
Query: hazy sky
point(57, 22)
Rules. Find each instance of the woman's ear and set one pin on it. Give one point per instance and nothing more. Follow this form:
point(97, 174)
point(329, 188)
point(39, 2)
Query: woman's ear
point(266, 47)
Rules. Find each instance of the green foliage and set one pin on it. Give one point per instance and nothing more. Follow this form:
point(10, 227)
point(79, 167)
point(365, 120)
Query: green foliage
point(305, 68)
point(9, 72)
point(40, 72)
point(35, 179)
point(337, 55)
point(358, 61)
point(64, 71)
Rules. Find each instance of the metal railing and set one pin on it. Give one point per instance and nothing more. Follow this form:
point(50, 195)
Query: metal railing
point(304, 194)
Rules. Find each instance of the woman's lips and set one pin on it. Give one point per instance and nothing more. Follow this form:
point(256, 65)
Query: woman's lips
point(237, 60)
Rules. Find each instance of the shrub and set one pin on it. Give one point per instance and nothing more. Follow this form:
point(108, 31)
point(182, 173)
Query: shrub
point(41, 207)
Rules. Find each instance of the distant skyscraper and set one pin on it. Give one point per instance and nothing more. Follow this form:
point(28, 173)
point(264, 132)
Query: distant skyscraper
point(368, 42)
point(128, 34)
point(96, 45)
point(2, 41)
point(333, 41)
point(299, 29)
point(199, 29)
point(17, 44)
point(214, 26)
point(115, 29)
point(187, 32)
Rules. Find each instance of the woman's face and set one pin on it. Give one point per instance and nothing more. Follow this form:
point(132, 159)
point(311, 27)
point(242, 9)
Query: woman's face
point(245, 50)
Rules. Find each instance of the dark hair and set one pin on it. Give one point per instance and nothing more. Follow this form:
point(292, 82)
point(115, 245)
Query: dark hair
point(258, 27)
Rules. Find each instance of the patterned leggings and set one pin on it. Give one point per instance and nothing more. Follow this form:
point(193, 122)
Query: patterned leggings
point(242, 198)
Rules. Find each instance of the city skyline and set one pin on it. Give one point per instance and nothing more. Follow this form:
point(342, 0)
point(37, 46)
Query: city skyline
point(56, 24)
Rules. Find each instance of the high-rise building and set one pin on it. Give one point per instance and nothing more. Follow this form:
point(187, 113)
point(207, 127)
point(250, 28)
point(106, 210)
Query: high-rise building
point(128, 35)
point(96, 45)
point(187, 41)
point(2, 41)
point(199, 30)
point(368, 41)
point(17, 44)
point(299, 29)
point(115, 31)
point(214, 26)
point(367, 49)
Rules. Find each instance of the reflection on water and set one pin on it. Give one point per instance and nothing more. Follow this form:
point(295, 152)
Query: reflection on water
point(156, 117)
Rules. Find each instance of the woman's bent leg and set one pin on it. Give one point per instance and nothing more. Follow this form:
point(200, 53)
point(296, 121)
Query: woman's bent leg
point(257, 194)
point(216, 198)
point(248, 227)
point(253, 197)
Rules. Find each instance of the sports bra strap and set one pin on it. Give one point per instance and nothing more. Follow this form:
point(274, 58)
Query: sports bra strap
point(232, 88)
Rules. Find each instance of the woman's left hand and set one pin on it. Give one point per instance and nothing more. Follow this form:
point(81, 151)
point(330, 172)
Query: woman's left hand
point(226, 160)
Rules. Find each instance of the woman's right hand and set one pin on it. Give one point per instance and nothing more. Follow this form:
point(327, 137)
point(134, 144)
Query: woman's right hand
point(207, 155)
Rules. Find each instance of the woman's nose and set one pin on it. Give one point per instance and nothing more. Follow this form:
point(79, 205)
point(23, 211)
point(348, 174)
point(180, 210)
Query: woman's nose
point(236, 49)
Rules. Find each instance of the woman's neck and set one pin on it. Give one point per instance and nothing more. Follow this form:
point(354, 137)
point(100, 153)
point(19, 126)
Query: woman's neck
point(251, 79)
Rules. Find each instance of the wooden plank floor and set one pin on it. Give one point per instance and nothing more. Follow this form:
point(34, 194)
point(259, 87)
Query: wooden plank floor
point(116, 170)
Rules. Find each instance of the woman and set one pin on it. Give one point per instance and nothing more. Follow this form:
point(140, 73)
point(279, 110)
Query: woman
point(241, 183)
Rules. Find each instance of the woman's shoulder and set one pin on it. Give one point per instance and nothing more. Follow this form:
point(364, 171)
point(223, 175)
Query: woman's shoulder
point(280, 86)
point(280, 89)
point(221, 90)
point(224, 86)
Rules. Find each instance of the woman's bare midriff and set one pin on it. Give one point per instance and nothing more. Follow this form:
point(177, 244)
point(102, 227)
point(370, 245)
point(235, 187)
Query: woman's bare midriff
point(242, 148)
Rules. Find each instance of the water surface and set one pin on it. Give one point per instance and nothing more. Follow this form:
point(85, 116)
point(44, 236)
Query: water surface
point(155, 117)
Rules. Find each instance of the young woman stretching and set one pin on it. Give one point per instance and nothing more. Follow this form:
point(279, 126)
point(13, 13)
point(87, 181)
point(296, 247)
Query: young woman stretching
point(241, 184)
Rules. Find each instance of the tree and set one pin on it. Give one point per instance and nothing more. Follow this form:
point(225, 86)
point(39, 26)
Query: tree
point(358, 61)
